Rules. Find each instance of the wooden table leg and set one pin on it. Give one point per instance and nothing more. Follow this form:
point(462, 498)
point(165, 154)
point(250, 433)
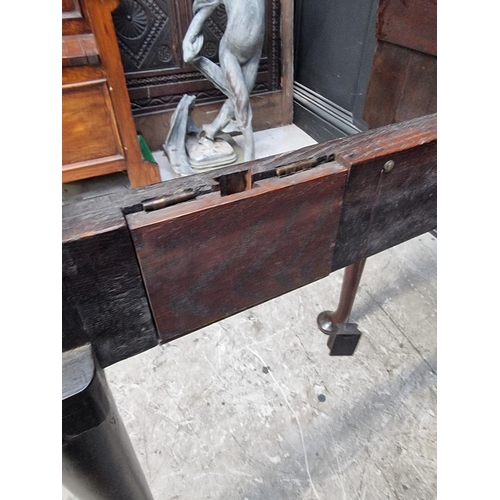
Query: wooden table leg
point(99, 462)
point(352, 277)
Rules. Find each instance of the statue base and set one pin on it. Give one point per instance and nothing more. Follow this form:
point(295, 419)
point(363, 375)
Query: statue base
point(189, 151)
point(205, 154)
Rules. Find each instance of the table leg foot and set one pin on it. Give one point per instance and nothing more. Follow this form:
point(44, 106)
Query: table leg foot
point(343, 337)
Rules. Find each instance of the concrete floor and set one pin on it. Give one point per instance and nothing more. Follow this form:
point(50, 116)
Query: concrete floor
point(254, 408)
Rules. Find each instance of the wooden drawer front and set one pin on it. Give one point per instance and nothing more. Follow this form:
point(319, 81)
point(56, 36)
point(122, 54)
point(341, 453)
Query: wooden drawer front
point(88, 125)
point(74, 18)
point(208, 258)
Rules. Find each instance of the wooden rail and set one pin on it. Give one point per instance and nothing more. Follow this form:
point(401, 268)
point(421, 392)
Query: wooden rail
point(133, 278)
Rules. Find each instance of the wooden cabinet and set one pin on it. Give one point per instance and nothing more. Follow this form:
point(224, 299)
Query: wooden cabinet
point(99, 135)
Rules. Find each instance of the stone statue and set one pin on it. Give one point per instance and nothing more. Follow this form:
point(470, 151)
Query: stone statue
point(239, 55)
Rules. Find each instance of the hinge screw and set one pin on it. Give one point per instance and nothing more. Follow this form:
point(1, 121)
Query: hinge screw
point(389, 165)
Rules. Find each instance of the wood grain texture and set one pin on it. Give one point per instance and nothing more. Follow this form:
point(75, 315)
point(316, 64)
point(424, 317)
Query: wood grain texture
point(70, 6)
point(210, 258)
point(78, 50)
point(403, 80)
point(74, 18)
point(409, 23)
point(382, 210)
point(93, 168)
point(89, 127)
point(382, 141)
point(403, 86)
point(80, 75)
point(94, 230)
point(139, 173)
point(419, 92)
point(99, 135)
point(73, 331)
point(104, 294)
point(286, 55)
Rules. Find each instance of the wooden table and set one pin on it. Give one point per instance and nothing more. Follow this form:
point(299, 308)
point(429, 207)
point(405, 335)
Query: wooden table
point(165, 260)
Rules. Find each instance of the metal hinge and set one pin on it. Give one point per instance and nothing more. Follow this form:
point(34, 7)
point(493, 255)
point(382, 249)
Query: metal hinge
point(228, 184)
point(298, 166)
point(168, 200)
point(158, 202)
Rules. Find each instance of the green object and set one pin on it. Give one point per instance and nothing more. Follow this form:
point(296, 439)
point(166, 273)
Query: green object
point(145, 151)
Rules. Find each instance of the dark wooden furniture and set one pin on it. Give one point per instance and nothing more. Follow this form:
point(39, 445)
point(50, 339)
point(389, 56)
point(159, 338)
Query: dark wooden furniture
point(403, 80)
point(111, 257)
point(99, 134)
point(165, 260)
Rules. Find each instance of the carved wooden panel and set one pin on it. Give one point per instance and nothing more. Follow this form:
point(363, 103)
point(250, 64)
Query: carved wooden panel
point(150, 37)
point(147, 35)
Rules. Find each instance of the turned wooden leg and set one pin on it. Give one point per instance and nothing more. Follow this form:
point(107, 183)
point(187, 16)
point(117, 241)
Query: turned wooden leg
point(352, 277)
point(99, 462)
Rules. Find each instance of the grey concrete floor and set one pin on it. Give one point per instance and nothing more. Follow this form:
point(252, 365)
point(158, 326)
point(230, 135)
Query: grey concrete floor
point(253, 408)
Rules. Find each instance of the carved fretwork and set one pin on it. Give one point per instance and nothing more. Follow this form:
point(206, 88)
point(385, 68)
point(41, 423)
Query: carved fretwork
point(145, 35)
point(203, 96)
point(275, 46)
point(150, 34)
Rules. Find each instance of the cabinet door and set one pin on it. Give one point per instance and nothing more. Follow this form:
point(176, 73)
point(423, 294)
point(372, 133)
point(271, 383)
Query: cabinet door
point(89, 128)
point(91, 141)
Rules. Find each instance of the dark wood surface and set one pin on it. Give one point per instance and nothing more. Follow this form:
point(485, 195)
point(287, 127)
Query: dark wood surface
point(391, 209)
point(411, 24)
point(402, 85)
point(381, 210)
point(104, 295)
point(403, 80)
point(210, 258)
